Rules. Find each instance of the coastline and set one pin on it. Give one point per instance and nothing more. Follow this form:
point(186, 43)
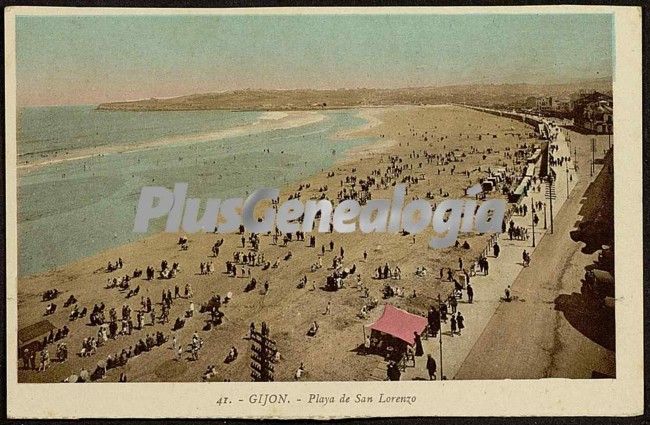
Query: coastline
point(270, 117)
point(86, 277)
point(370, 129)
point(373, 116)
point(268, 122)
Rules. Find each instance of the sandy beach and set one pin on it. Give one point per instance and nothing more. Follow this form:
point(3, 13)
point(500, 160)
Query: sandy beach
point(289, 311)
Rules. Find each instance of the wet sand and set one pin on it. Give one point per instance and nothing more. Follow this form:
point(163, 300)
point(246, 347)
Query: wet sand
point(288, 311)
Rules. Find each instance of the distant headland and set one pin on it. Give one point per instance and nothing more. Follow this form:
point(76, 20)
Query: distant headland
point(307, 99)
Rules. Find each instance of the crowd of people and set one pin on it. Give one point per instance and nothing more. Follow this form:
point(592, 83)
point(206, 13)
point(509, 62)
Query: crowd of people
point(248, 262)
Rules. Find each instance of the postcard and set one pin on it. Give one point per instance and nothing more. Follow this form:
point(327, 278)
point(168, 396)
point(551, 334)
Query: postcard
point(324, 212)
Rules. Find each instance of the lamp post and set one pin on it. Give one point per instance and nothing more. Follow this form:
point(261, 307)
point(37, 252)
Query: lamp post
point(544, 215)
point(609, 140)
point(550, 193)
point(567, 180)
point(532, 217)
point(593, 155)
point(440, 333)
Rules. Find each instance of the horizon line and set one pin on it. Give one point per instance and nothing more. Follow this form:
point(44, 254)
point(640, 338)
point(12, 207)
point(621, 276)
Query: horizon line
point(521, 83)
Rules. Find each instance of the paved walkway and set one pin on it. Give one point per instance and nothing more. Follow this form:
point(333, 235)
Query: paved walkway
point(556, 334)
point(489, 290)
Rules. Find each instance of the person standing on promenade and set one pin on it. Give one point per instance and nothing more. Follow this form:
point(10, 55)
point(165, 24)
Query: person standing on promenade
point(461, 322)
point(470, 294)
point(497, 249)
point(431, 367)
point(419, 351)
point(453, 303)
point(453, 325)
point(433, 319)
point(443, 312)
point(393, 371)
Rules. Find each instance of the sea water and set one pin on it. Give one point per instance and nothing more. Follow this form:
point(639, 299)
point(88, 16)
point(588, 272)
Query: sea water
point(74, 209)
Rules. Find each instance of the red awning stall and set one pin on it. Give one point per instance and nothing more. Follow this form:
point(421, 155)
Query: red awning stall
point(394, 330)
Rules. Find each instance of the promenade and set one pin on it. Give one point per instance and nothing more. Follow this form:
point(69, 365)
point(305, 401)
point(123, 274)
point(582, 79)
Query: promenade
point(503, 271)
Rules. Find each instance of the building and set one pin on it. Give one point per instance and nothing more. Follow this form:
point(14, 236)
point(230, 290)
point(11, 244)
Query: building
point(544, 103)
point(551, 105)
point(594, 112)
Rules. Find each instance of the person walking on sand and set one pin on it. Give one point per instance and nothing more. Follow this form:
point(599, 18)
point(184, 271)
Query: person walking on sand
point(470, 294)
point(453, 325)
point(299, 372)
point(328, 308)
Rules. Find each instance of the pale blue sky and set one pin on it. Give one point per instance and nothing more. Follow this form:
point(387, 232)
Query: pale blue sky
point(92, 59)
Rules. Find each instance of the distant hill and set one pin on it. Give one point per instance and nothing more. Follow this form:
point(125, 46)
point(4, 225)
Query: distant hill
point(257, 99)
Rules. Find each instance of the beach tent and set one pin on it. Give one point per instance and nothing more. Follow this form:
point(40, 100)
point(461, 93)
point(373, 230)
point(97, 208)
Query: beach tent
point(519, 191)
point(499, 174)
point(32, 332)
point(399, 324)
point(488, 185)
point(522, 186)
point(535, 156)
point(530, 170)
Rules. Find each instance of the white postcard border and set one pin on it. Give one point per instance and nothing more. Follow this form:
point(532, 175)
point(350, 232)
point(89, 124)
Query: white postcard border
point(562, 397)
